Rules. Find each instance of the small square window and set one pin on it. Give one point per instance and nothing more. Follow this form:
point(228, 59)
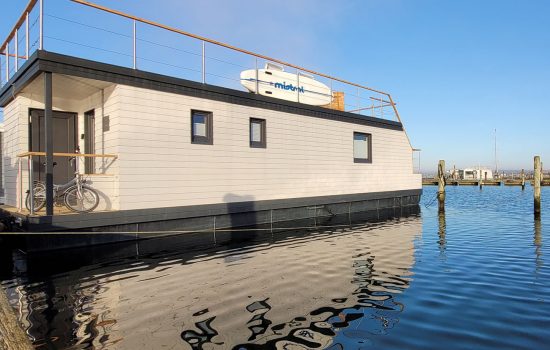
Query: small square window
point(201, 127)
point(362, 147)
point(257, 133)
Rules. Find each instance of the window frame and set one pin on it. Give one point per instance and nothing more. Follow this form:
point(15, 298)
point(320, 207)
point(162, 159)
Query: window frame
point(263, 133)
point(369, 148)
point(209, 138)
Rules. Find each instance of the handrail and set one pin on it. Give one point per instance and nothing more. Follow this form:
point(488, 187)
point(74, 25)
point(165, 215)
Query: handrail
point(219, 43)
point(19, 22)
point(89, 155)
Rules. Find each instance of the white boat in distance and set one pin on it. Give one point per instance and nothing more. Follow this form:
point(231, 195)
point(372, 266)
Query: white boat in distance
point(275, 82)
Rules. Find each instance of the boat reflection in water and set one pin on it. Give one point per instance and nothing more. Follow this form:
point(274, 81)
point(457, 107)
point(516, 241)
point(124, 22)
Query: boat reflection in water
point(328, 288)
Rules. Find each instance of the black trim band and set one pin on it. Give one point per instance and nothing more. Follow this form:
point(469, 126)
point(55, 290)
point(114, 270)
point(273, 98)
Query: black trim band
point(43, 61)
point(123, 217)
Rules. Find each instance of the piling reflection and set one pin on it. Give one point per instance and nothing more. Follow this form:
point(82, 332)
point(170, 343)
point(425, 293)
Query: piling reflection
point(442, 232)
point(329, 288)
point(537, 242)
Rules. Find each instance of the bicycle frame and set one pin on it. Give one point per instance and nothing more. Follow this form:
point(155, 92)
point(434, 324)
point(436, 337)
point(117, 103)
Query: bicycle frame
point(59, 190)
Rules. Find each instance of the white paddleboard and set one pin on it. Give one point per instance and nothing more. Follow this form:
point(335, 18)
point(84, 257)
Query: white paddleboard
point(274, 82)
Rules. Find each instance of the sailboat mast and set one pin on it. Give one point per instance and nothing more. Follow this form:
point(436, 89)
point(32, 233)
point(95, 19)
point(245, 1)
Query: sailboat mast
point(496, 161)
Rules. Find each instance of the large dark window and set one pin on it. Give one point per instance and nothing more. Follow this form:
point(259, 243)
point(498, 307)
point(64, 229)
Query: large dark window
point(201, 127)
point(257, 133)
point(362, 147)
point(89, 141)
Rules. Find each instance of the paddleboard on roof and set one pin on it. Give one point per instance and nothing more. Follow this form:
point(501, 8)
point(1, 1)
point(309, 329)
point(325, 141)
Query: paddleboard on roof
point(275, 82)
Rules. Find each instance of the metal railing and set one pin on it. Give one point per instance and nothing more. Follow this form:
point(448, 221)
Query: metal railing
point(151, 46)
point(205, 63)
point(10, 49)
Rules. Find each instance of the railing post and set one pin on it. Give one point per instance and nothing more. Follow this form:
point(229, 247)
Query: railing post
point(257, 78)
point(134, 43)
point(203, 63)
point(298, 86)
point(27, 40)
point(7, 62)
point(331, 94)
point(31, 186)
point(41, 25)
point(358, 101)
point(16, 49)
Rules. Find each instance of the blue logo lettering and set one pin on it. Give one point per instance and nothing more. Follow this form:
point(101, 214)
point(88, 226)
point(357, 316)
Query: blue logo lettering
point(290, 87)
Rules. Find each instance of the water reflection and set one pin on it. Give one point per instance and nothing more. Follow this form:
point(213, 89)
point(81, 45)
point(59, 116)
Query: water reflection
point(538, 244)
point(333, 287)
point(442, 225)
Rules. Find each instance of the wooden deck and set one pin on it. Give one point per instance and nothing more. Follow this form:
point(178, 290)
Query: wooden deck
point(57, 210)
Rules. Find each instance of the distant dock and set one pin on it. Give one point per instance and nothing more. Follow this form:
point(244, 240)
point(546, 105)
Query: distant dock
point(433, 182)
point(505, 182)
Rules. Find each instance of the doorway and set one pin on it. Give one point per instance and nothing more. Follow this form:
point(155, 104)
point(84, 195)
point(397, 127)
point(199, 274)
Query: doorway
point(64, 141)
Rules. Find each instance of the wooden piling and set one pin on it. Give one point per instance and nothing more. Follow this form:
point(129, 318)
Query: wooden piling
point(536, 184)
point(441, 185)
point(12, 336)
point(522, 179)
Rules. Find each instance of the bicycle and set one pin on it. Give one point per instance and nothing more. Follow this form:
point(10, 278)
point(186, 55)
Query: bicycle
point(75, 195)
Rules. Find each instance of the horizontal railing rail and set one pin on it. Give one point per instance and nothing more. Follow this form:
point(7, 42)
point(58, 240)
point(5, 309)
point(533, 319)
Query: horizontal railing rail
point(90, 155)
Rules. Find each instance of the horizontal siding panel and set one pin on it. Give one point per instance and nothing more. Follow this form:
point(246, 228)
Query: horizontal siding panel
point(304, 156)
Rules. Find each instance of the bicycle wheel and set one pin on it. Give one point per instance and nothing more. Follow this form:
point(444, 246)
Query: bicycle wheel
point(83, 201)
point(39, 197)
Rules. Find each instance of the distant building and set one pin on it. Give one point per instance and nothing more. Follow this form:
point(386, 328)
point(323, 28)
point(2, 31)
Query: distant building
point(475, 174)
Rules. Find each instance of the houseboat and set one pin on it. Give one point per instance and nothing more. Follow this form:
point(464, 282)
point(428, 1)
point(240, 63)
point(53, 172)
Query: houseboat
point(169, 154)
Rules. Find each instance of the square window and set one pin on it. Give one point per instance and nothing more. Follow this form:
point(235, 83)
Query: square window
point(201, 127)
point(362, 147)
point(257, 133)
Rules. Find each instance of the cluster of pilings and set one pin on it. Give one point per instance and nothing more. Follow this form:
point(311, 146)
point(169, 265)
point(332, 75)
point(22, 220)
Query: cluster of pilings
point(536, 185)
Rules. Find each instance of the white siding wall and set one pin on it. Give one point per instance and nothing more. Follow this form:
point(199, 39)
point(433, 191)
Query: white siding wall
point(305, 156)
point(105, 179)
point(158, 166)
point(14, 141)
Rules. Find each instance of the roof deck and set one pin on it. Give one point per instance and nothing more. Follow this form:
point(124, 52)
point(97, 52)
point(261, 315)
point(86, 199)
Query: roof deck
point(144, 45)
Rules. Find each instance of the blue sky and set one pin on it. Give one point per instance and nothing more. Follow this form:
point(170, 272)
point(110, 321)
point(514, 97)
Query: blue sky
point(457, 70)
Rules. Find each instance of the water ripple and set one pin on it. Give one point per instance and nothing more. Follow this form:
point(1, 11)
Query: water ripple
point(475, 277)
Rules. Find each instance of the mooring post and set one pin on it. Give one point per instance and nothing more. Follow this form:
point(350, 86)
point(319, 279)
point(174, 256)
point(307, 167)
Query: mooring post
point(522, 179)
point(12, 336)
point(441, 185)
point(536, 183)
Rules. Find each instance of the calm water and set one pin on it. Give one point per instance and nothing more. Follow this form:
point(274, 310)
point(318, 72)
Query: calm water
point(476, 278)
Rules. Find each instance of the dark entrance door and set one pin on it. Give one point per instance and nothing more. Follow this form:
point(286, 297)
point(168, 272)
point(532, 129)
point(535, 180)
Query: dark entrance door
point(64, 141)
